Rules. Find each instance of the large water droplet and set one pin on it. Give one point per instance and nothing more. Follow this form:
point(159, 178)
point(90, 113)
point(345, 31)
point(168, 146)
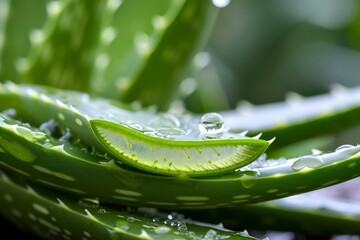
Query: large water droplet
point(307, 162)
point(249, 178)
point(211, 123)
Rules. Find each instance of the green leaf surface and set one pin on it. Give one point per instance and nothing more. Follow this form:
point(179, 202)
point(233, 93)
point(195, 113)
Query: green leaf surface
point(315, 216)
point(66, 47)
point(18, 26)
point(43, 159)
point(167, 57)
point(156, 142)
point(118, 54)
point(51, 216)
point(298, 119)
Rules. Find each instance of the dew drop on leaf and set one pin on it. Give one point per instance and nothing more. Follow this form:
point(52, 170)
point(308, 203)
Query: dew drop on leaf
point(135, 126)
point(162, 230)
point(211, 234)
point(307, 162)
point(344, 147)
point(89, 202)
point(211, 123)
point(102, 211)
point(11, 113)
point(165, 120)
point(249, 178)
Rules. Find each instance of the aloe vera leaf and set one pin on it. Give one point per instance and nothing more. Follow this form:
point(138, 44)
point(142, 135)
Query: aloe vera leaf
point(66, 167)
point(66, 48)
point(16, 33)
point(165, 60)
point(157, 143)
point(307, 146)
point(50, 215)
point(299, 214)
point(117, 56)
point(26, 151)
point(4, 6)
point(292, 121)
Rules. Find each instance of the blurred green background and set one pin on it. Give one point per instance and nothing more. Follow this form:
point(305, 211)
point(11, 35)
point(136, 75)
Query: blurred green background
point(267, 48)
point(261, 50)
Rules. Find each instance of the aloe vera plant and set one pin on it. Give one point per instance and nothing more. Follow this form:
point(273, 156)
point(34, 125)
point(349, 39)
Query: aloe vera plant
point(90, 149)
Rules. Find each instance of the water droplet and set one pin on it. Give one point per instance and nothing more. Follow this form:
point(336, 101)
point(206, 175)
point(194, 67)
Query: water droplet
point(210, 235)
point(166, 120)
point(122, 225)
point(39, 136)
point(130, 219)
point(135, 126)
point(174, 223)
point(31, 135)
point(344, 147)
point(182, 227)
point(11, 113)
point(168, 222)
point(211, 123)
point(153, 134)
point(89, 202)
point(307, 162)
point(162, 230)
point(221, 3)
point(102, 210)
point(249, 178)
point(171, 131)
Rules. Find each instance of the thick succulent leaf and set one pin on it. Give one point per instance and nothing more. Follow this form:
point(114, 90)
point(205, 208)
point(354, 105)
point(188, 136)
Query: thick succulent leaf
point(52, 216)
point(165, 59)
point(298, 119)
point(299, 214)
point(118, 54)
point(41, 158)
point(158, 143)
point(66, 48)
point(17, 32)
